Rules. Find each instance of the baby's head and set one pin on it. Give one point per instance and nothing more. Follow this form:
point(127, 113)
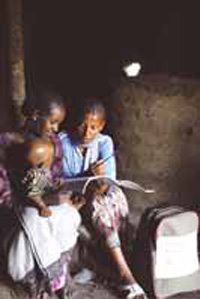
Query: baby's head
point(39, 152)
point(91, 118)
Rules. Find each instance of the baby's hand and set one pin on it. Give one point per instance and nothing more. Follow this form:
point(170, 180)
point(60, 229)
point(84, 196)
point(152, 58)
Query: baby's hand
point(59, 183)
point(64, 197)
point(75, 199)
point(45, 212)
point(78, 200)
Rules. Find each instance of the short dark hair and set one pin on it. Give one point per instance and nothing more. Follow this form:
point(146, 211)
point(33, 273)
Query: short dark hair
point(43, 103)
point(90, 105)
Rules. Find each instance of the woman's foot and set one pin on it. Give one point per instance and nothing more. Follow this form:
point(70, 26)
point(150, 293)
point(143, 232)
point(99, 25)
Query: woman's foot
point(84, 276)
point(132, 291)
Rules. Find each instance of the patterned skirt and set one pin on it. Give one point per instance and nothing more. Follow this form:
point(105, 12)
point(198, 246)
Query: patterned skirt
point(106, 212)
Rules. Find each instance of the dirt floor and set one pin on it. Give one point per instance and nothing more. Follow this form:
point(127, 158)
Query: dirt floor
point(81, 292)
point(98, 288)
point(89, 291)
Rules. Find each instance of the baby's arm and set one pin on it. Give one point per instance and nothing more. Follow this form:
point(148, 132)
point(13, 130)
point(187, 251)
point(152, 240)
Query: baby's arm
point(33, 190)
point(39, 203)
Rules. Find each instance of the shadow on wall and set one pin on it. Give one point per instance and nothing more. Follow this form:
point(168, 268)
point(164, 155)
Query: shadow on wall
point(187, 177)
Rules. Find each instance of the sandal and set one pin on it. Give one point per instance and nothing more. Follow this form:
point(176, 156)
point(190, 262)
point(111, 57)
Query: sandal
point(84, 276)
point(132, 291)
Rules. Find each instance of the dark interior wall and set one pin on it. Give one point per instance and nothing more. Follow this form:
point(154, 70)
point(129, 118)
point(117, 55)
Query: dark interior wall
point(79, 47)
point(74, 47)
point(156, 127)
point(177, 43)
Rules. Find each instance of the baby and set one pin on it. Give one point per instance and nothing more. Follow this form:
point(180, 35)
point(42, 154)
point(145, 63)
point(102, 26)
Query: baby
point(34, 182)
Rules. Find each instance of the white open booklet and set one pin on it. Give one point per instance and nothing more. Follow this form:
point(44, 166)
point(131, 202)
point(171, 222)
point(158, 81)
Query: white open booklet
point(81, 184)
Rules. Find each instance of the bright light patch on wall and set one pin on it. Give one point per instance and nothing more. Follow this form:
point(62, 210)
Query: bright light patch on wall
point(133, 69)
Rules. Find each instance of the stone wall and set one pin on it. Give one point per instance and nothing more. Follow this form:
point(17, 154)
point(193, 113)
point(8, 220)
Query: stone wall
point(156, 127)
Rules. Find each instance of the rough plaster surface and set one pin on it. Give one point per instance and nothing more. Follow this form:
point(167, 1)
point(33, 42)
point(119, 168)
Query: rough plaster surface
point(156, 126)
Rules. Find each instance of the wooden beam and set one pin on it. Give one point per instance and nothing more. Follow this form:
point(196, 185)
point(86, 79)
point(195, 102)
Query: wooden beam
point(16, 54)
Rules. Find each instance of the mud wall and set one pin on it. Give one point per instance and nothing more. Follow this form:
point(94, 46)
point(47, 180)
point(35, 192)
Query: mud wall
point(156, 127)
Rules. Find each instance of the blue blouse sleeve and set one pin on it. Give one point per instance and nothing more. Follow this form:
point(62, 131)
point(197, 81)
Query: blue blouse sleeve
point(106, 152)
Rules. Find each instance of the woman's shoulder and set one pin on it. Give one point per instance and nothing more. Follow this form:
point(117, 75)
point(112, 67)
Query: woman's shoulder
point(66, 139)
point(104, 143)
point(104, 139)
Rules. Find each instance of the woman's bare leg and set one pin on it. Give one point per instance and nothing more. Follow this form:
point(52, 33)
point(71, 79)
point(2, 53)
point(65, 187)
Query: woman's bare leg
point(124, 270)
